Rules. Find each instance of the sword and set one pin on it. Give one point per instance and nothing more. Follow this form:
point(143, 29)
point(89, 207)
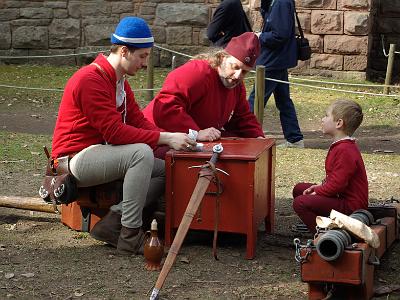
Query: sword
point(206, 175)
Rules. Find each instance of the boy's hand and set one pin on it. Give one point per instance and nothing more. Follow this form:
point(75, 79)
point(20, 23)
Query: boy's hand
point(310, 190)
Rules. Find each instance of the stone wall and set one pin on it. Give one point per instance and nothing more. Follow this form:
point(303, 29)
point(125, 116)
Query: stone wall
point(343, 33)
point(338, 33)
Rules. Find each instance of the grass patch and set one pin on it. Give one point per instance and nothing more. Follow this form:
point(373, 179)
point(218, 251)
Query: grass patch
point(307, 165)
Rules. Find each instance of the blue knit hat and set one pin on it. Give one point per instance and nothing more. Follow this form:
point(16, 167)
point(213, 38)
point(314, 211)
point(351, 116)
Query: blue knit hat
point(133, 31)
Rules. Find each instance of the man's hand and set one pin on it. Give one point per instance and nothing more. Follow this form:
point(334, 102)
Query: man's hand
point(310, 190)
point(209, 135)
point(177, 140)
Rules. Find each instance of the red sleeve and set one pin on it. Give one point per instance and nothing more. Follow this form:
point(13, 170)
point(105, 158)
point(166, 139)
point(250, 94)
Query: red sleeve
point(176, 97)
point(96, 104)
point(243, 122)
point(341, 166)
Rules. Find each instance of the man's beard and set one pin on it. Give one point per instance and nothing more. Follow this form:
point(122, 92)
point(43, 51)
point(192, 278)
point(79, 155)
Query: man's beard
point(228, 84)
point(226, 79)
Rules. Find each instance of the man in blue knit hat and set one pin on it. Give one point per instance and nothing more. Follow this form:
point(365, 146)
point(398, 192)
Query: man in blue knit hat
point(101, 128)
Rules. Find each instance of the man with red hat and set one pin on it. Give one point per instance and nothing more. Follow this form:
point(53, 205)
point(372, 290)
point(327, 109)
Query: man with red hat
point(207, 94)
point(106, 137)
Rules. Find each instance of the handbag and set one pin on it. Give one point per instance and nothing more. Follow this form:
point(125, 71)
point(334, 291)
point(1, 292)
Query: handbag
point(59, 185)
point(303, 45)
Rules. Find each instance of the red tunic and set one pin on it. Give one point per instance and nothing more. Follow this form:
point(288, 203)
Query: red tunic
point(88, 113)
point(193, 97)
point(346, 177)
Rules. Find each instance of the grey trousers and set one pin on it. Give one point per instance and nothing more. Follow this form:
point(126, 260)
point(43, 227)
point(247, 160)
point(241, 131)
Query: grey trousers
point(143, 176)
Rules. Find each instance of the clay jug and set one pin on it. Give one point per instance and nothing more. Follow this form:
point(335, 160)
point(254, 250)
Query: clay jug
point(153, 249)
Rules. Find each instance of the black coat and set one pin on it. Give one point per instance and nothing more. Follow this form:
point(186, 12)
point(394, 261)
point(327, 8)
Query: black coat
point(229, 20)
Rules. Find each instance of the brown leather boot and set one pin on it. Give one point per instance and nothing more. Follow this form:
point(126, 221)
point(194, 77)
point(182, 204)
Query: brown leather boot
point(130, 241)
point(108, 228)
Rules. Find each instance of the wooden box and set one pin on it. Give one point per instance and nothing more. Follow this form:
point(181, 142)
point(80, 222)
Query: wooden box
point(352, 274)
point(93, 203)
point(248, 196)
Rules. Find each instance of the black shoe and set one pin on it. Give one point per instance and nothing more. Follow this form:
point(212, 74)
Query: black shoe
point(108, 229)
point(130, 241)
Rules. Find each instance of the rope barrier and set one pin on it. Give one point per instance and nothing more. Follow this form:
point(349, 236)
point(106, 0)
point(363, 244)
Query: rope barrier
point(332, 89)
point(53, 55)
point(346, 83)
point(383, 47)
point(339, 83)
point(271, 79)
point(172, 51)
point(61, 90)
point(30, 88)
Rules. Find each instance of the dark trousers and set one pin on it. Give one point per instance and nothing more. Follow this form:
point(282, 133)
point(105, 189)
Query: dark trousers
point(287, 111)
point(308, 207)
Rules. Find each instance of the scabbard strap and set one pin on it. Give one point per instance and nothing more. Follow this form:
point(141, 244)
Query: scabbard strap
point(214, 179)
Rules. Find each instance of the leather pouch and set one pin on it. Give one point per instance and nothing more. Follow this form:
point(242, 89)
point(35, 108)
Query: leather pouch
point(59, 185)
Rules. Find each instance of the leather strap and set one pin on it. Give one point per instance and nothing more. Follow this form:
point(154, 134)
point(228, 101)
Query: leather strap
point(219, 191)
point(100, 68)
point(298, 24)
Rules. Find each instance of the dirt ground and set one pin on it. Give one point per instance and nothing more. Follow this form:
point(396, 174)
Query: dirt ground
point(42, 259)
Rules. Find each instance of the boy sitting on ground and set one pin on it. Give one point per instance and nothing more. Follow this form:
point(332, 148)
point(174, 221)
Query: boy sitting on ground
point(345, 187)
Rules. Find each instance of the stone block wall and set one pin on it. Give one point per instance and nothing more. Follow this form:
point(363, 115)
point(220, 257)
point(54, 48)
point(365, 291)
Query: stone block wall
point(338, 31)
point(342, 33)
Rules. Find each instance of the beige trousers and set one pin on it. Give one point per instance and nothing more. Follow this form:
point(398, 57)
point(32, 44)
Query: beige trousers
point(142, 174)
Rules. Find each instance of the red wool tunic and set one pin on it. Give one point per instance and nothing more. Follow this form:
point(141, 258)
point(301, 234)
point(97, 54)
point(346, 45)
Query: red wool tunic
point(88, 114)
point(346, 177)
point(193, 97)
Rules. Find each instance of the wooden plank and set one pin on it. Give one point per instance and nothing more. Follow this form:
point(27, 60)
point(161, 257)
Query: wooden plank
point(26, 203)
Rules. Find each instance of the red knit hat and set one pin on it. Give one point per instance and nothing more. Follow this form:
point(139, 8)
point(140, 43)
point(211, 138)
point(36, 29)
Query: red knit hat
point(245, 48)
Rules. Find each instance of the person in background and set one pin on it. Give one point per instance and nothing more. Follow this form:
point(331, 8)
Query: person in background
point(207, 94)
point(345, 187)
point(278, 54)
point(101, 128)
point(229, 20)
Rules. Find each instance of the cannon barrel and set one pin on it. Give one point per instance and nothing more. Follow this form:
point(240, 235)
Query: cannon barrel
point(364, 216)
point(330, 245)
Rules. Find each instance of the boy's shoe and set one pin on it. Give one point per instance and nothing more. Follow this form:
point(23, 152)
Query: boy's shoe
point(286, 144)
point(300, 228)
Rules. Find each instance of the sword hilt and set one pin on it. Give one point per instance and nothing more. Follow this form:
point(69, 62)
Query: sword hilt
point(217, 150)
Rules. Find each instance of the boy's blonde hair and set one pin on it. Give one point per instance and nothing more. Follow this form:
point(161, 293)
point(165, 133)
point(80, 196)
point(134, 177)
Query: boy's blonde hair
point(350, 112)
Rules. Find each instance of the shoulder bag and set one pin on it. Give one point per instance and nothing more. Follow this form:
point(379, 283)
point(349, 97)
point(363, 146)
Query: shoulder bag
point(303, 45)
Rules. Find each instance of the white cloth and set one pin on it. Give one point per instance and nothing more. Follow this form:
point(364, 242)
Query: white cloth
point(359, 229)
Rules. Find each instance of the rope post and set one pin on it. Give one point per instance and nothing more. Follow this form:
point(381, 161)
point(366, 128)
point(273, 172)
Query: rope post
point(389, 68)
point(259, 93)
point(150, 77)
point(173, 62)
